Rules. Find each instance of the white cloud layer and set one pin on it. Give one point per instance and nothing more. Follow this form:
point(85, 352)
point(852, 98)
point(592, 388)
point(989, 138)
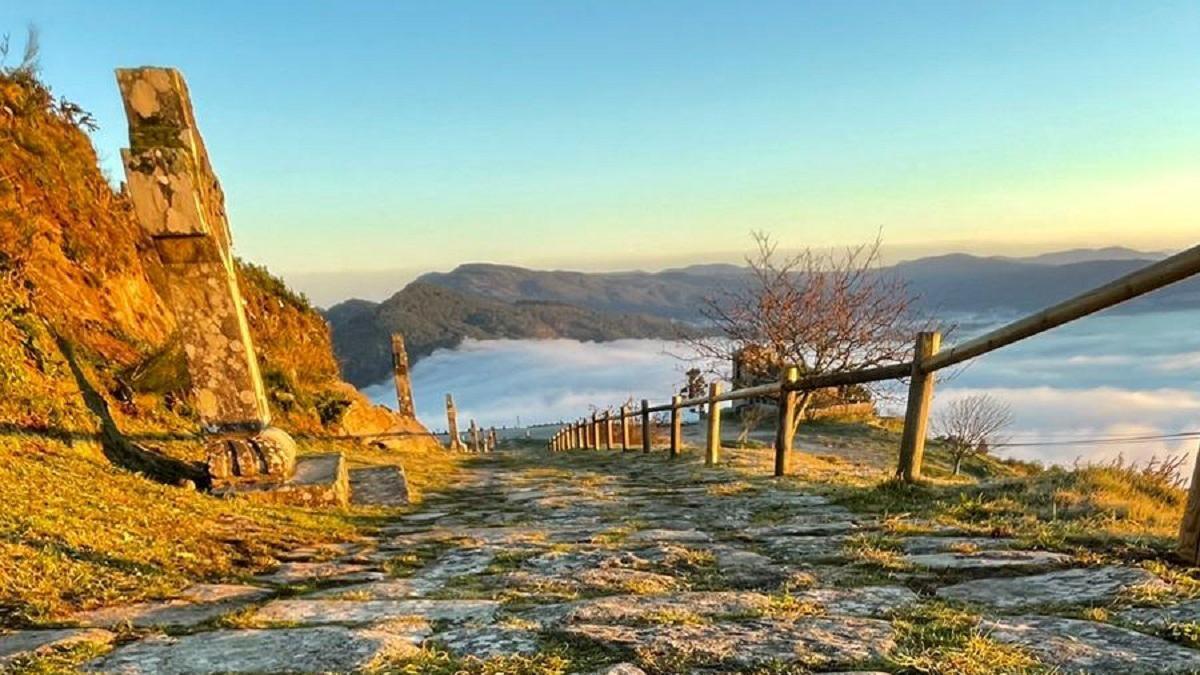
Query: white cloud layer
point(1113, 375)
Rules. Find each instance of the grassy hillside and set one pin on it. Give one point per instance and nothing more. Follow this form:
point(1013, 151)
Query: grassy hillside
point(95, 421)
point(1115, 508)
point(432, 317)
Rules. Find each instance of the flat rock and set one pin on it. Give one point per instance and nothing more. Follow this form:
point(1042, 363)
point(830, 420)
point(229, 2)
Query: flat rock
point(1087, 646)
point(298, 572)
point(631, 608)
point(196, 604)
point(665, 535)
point(804, 548)
point(932, 544)
point(388, 589)
point(570, 562)
point(980, 560)
point(801, 528)
point(485, 642)
point(1184, 612)
point(328, 649)
point(1080, 586)
point(812, 641)
point(30, 643)
point(746, 569)
point(861, 601)
point(379, 486)
point(625, 580)
point(620, 669)
point(325, 611)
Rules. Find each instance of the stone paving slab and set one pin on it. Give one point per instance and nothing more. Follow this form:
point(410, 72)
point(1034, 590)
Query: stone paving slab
point(932, 544)
point(485, 642)
point(862, 601)
point(1087, 646)
point(379, 486)
point(308, 650)
point(668, 535)
point(27, 643)
point(1184, 612)
point(1081, 586)
point(306, 611)
point(298, 572)
point(813, 641)
point(195, 605)
point(632, 608)
point(983, 560)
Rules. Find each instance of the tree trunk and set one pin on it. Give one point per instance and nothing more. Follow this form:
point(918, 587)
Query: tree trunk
point(957, 464)
point(802, 401)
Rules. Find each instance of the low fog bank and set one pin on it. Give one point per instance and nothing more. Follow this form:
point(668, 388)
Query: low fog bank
point(1108, 376)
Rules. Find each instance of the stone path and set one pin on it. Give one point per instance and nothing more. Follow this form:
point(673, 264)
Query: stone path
point(630, 565)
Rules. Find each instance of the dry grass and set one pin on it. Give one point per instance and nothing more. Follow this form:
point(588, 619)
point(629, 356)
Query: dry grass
point(76, 532)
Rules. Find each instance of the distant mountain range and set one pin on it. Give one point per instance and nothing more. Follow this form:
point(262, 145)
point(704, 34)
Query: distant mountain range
point(486, 301)
point(953, 283)
point(433, 317)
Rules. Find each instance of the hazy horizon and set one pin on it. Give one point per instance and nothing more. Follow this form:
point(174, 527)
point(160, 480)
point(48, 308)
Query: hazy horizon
point(328, 288)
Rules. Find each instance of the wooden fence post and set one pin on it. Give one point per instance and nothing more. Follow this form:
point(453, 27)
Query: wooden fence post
point(712, 453)
point(646, 431)
point(916, 416)
point(624, 428)
point(586, 430)
point(1189, 527)
point(596, 429)
point(676, 426)
point(786, 420)
point(608, 430)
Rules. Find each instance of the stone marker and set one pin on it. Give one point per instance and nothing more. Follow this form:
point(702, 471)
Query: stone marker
point(178, 201)
point(404, 395)
point(452, 424)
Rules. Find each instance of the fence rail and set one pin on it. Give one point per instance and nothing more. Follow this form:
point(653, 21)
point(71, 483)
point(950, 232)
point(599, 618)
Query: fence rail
point(927, 359)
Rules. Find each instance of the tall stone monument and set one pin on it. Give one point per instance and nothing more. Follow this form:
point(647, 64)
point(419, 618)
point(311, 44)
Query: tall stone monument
point(452, 424)
point(178, 201)
point(404, 395)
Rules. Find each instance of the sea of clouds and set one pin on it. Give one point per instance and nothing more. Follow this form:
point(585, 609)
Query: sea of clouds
point(1110, 375)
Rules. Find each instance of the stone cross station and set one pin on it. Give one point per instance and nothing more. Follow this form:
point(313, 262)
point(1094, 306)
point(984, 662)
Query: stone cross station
point(404, 395)
point(178, 200)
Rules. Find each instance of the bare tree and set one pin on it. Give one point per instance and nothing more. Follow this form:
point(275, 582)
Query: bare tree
point(972, 425)
point(824, 312)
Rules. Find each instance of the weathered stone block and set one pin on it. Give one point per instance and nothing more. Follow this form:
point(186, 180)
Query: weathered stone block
point(269, 455)
point(319, 480)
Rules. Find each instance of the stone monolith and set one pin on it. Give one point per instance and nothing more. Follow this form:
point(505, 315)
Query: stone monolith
point(178, 200)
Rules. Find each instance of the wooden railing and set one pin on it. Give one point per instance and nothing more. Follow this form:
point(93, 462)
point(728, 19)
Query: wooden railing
point(927, 359)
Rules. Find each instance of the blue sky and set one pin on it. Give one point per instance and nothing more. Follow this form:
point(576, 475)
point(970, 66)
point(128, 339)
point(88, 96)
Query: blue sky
point(356, 137)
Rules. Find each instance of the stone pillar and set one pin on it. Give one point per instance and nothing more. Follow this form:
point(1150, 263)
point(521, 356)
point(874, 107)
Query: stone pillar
point(475, 447)
point(452, 424)
point(178, 200)
point(404, 397)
